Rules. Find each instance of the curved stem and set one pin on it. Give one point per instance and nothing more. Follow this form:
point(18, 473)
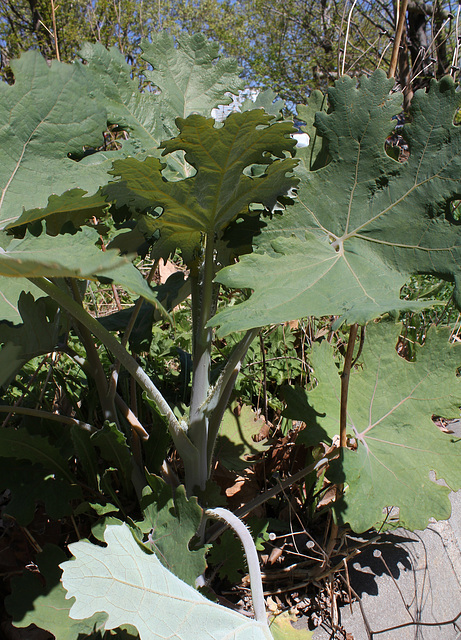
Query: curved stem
point(185, 447)
point(251, 554)
point(218, 399)
point(126, 336)
point(135, 425)
point(46, 415)
point(95, 366)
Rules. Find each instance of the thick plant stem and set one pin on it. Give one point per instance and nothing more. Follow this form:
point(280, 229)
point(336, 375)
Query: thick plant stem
point(251, 554)
point(198, 418)
point(234, 363)
point(179, 434)
point(218, 399)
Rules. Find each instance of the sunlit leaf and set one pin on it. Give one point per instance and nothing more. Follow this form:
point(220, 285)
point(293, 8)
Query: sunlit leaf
point(170, 522)
point(133, 587)
point(69, 256)
point(364, 222)
point(390, 407)
point(45, 116)
point(235, 442)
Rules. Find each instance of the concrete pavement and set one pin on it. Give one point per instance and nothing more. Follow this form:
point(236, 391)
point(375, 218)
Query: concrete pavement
point(410, 587)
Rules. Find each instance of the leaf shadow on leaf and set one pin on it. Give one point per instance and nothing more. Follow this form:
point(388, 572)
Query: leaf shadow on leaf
point(235, 443)
point(384, 557)
point(298, 408)
point(240, 234)
point(30, 584)
point(230, 454)
point(39, 598)
point(31, 483)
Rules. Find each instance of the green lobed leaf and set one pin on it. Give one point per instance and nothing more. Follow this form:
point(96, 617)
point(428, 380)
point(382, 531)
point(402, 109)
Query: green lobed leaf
point(188, 75)
point(227, 555)
point(364, 222)
point(133, 587)
point(208, 201)
point(282, 629)
point(86, 454)
point(267, 100)
point(98, 528)
point(10, 292)
point(315, 155)
point(297, 404)
point(39, 334)
point(390, 405)
point(174, 291)
point(52, 120)
point(191, 76)
point(171, 521)
point(156, 447)
point(18, 443)
point(69, 256)
point(235, 443)
point(73, 206)
point(114, 449)
point(131, 110)
point(32, 483)
point(227, 558)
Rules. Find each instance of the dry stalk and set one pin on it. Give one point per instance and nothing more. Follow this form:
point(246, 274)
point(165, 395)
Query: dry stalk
point(402, 8)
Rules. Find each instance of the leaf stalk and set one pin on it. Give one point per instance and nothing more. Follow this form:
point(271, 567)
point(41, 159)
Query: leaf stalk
point(251, 554)
point(345, 384)
point(185, 447)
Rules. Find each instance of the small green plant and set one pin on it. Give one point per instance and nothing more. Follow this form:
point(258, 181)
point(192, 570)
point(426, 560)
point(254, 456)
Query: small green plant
point(335, 230)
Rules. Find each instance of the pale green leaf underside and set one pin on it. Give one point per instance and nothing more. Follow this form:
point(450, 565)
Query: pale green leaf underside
point(135, 112)
point(48, 113)
point(134, 588)
point(364, 222)
point(191, 76)
point(390, 405)
point(69, 256)
point(51, 113)
point(317, 280)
